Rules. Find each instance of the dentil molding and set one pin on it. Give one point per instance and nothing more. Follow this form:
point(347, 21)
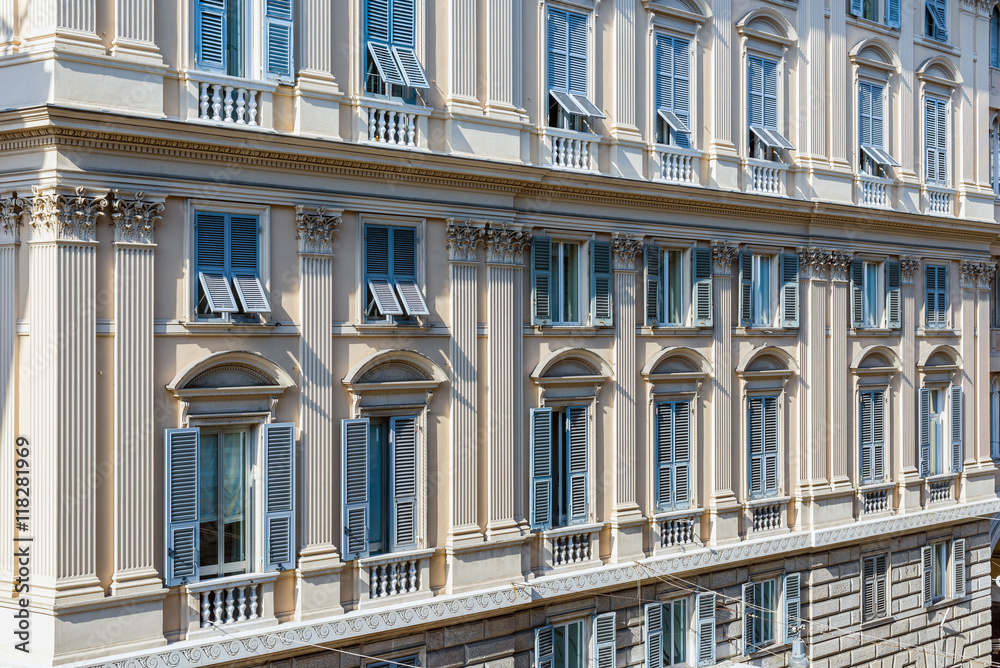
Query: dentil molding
point(624, 248)
point(134, 217)
point(723, 256)
point(505, 244)
point(314, 230)
point(57, 215)
point(463, 239)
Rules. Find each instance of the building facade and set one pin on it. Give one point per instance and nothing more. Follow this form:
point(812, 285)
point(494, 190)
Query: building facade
point(498, 333)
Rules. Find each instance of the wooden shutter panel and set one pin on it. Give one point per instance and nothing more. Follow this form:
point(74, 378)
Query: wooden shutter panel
point(881, 586)
point(755, 438)
point(664, 455)
point(354, 446)
point(279, 496)
point(930, 139)
point(377, 21)
point(942, 140)
point(253, 298)
point(409, 67)
point(793, 605)
point(869, 593)
point(701, 267)
point(771, 438)
point(865, 113)
point(746, 287)
point(604, 640)
point(403, 481)
point(378, 275)
point(755, 91)
point(930, 294)
point(995, 38)
point(577, 455)
point(749, 612)
point(541, 469)
point(857, 293)
point(927, 574)
point(682, 453)
point(790, 290)
point(577, 62)
point(403, 21)
point(654, 285)
point(925, 432)
point(210, 32)
point(654, 635)
point(278, 40)
point(541, 280)
point(558, 50)
point(877, 137)
point(770, 71)
point(682, 88)
point(181, 506)
point(865, 417)
point(893, 299)
point(878, 436)
point(600, 283)
point(958, 564)
point(892, 13)
point(664, 56)
point(856, 7)
point(706, 628)
point(212, 261)
point(244, 232)
point(957, 430)
point(544, 647)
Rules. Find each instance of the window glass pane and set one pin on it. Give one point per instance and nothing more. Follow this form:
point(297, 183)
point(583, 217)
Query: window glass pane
point(572, 293)
point(675, 286)
point(559, 646)
point(936, 432)
point(940, 569)
point(378, 485)
point(234, 495)
point(208, 499)
point(680, 626)
point(761, 290)
point(574, 645)
point(767, 605)
point(871, 298)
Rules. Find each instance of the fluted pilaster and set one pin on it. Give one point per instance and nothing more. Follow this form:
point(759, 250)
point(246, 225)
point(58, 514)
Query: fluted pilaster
point(973, 321)
point(839, 77)
point(722, 73)
point(46, 22)
point(63, 351)
point(723, 484)
point(134, 29)
point(983, 435)
point(625, 64)
point(505, 246)
point(624, 250)
point(315, 35)
point(465, 45)
point(840, 398)
point(464, 290)
point(907, 459)
point(134, 218)
point(8, 19)
point(503, 52)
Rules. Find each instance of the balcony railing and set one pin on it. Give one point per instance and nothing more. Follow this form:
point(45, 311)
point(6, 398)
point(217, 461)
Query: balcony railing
point(393, 124)
point(675, 164)
point(229, 100)
point(570, 547)
point(766, 515)
point(237, 600)
point(567, 149)
point(875, 499)
point(675, 529)
point(938, 201)
point(766, 176)
point(394, 577)
point(874, 191)
point(939, 488)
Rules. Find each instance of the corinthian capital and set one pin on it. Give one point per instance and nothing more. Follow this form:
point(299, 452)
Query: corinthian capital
point(723, 256)
point(908, 267)
point(463, 238)
point(58, 215)
point(134, 217)
point(12, 209)
point(505, 244)
point(624, 248)
point(314, 230)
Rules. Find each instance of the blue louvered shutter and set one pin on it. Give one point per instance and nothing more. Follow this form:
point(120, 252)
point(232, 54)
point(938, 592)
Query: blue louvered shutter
point(749, 614)
point(210, 31)
point(664, 57)
point(181, 506)
point(771, 441)
point(705, 605)
point(793, 605)
point(957, 423)
point(877, 129)
point(856, 7)
point(278, 39)
point(600, 284)
point(558, 50)
point(545, 647)
point(755, 88)
point(857, 293)
point(577, 60)
point(878, 436)
point(243, 245)
point(770, 94)
point(893, 297)
point(378, 272)
point(865, 113)
point(577, 456)
point(377, 21)
point(541, 280)
point(354, 450)
point(701, 268)
point(892, 13)
point(279, 496)
point(755, 440)
point(403, 482)
point(939, 13)
point(682, 88)
point(936, 140)
point(403, 248)
point(865, 418)
point(541, 469)
point(927, 575)
point(936, 295)
point(654, 285)
point(212, 261)
point(924, 419)
point(403, 24)
point(654, 635)
point(682, 453)
point(605, 636)
point(995, 38)
point(664, 432)
point(958, 560)
point(746, 288)
point(790, 290)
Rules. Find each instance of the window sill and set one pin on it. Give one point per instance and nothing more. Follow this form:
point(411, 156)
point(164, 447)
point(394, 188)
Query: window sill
point(223, 326)
point(936, 331)
point(394, 556)
point(765, 330)
point(875, 331)
point(944, 603)
point(389, 327)
point(563, 330)
point(662, 330)
point(932, 43)
point(873, 26)
point(877, 622)
point(768, 651)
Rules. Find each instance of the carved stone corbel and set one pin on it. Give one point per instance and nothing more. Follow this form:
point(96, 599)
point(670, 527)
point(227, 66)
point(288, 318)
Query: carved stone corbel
point(838, 263)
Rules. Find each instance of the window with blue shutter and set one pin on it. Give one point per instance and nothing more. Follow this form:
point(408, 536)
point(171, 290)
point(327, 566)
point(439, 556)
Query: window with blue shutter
point(221, 39)
point(936, 284)
point(391, 64)
point(758, 279)
point(936, 140)
point(672, 88)
point(560, 467)
point(562, 646)
point(762, 109)
point(871, 411)
point(874, 587)
point(667, 627)
point(763, 441)
point(556, 277)
point(279, 496)
point(278, 40)
point(225, 529)
point(936, 19)
point(760, 615)
point(391, 273)
point(226, 264)
point(871, 129)
point(567, 70)
point(940, 447)
point(181, 506)
point(995, 38)
point(673, 454)
point(665, 301)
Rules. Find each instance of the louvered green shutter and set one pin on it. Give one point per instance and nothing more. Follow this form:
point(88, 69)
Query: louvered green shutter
point(654, 285)
point(354, 449)
point(706, 628)
point(600, 283)
point(878, 436)
point(789, 290)
point(927, 575)
point(403, 482)
point(865, 112)
point(210, 30)
point(957, 430)
point(893, 298)
point(746, 288)
point(925, 432)
point(701, 266)
point(958, 564)
point(749, 612)
point(654, 635)
point(682, 453)
point(664, 455)
point(770, 93)
point(755, 441)
point(577, 456)
point(544, 647)
point(856, 7)
point(278, 41)
point(541, 280)
point(279, 496)
point(181, 506)
point(541, 469)
point(604, 640)
point(892, 14)
point(793, 605)
point(577, 63)
point(857, 293)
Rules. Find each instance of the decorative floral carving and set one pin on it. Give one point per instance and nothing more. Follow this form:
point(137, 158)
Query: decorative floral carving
point(314, 231)
point(839, 264)
point(55, 215)
point(12, 209)
point(623, 250)
point(908, 267)
point(505, 244)
point(463, 240)
point(723, 256)
point(134, 218)
point(977, 274)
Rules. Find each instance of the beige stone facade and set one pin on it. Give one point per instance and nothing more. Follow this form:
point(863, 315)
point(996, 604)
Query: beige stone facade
point(675, 358)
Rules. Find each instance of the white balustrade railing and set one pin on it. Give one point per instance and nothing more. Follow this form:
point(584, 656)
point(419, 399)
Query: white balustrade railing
point(388, 578)
point(236, 101)
point(766, 176)
point(394, 124)
point(393, 578)
point(675, 164)
point(569, 546)
point(232, 600)
point(875, 191)
point(939, 200)
point(876, 501)
point(677, 531)
point(939, 490)
point(568, 149)
point(571, 549)
point(767, 518)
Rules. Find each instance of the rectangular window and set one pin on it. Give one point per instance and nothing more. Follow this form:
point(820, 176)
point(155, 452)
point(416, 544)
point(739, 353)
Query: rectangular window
point(762, 109)
point(228, 268)
point(673, 454)
point(936, 140)
point(769, 288)
point(222, 502)
point(875, 294)
point(391, 65)
point(936, 282)
point(874, 289)
point(398, 662)
point(391, 273)
point(875, 587)
point(559, 282)
point(566, 258)
point(870, 10)
point(871, 103)
point(941, 430)
point(560, 645)
point(673, 91)
point(560, 456)
point(567, 66)
point(668, 632)
point(222, 41)
point(760, 614)
point(763, 444)
point(674, 626)
point(872, 437)
point(936, 19)
point(942, 578)
point(667, 293)
point(880, 11)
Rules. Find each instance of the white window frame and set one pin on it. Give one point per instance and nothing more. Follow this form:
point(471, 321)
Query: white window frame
point(690, 642)
point(994, 154)
point(949, 145)
point(419, 252)
point(263, 214)
point(769, 46)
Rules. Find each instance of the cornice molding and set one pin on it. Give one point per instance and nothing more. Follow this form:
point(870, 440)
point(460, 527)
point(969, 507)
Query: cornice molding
point(134, 217)
point(314, 231)
point(463, 239)
point(505, 244)
point(624, 248)
point(723, 256)
point(57, 215)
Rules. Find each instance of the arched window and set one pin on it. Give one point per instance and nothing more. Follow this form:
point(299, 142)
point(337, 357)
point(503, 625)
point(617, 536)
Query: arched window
point(995, 38)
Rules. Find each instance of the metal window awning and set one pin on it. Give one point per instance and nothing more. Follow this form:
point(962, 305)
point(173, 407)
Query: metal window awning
point(879, 155)
point(673, 120)
point(573, 103)
point(771, 137)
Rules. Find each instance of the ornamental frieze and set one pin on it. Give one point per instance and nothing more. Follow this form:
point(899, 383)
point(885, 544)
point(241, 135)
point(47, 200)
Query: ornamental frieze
point(134, 217)
point(59, 216)
point(505, 244)
point(624, 248)
point(314, 231)
point(463, 239)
